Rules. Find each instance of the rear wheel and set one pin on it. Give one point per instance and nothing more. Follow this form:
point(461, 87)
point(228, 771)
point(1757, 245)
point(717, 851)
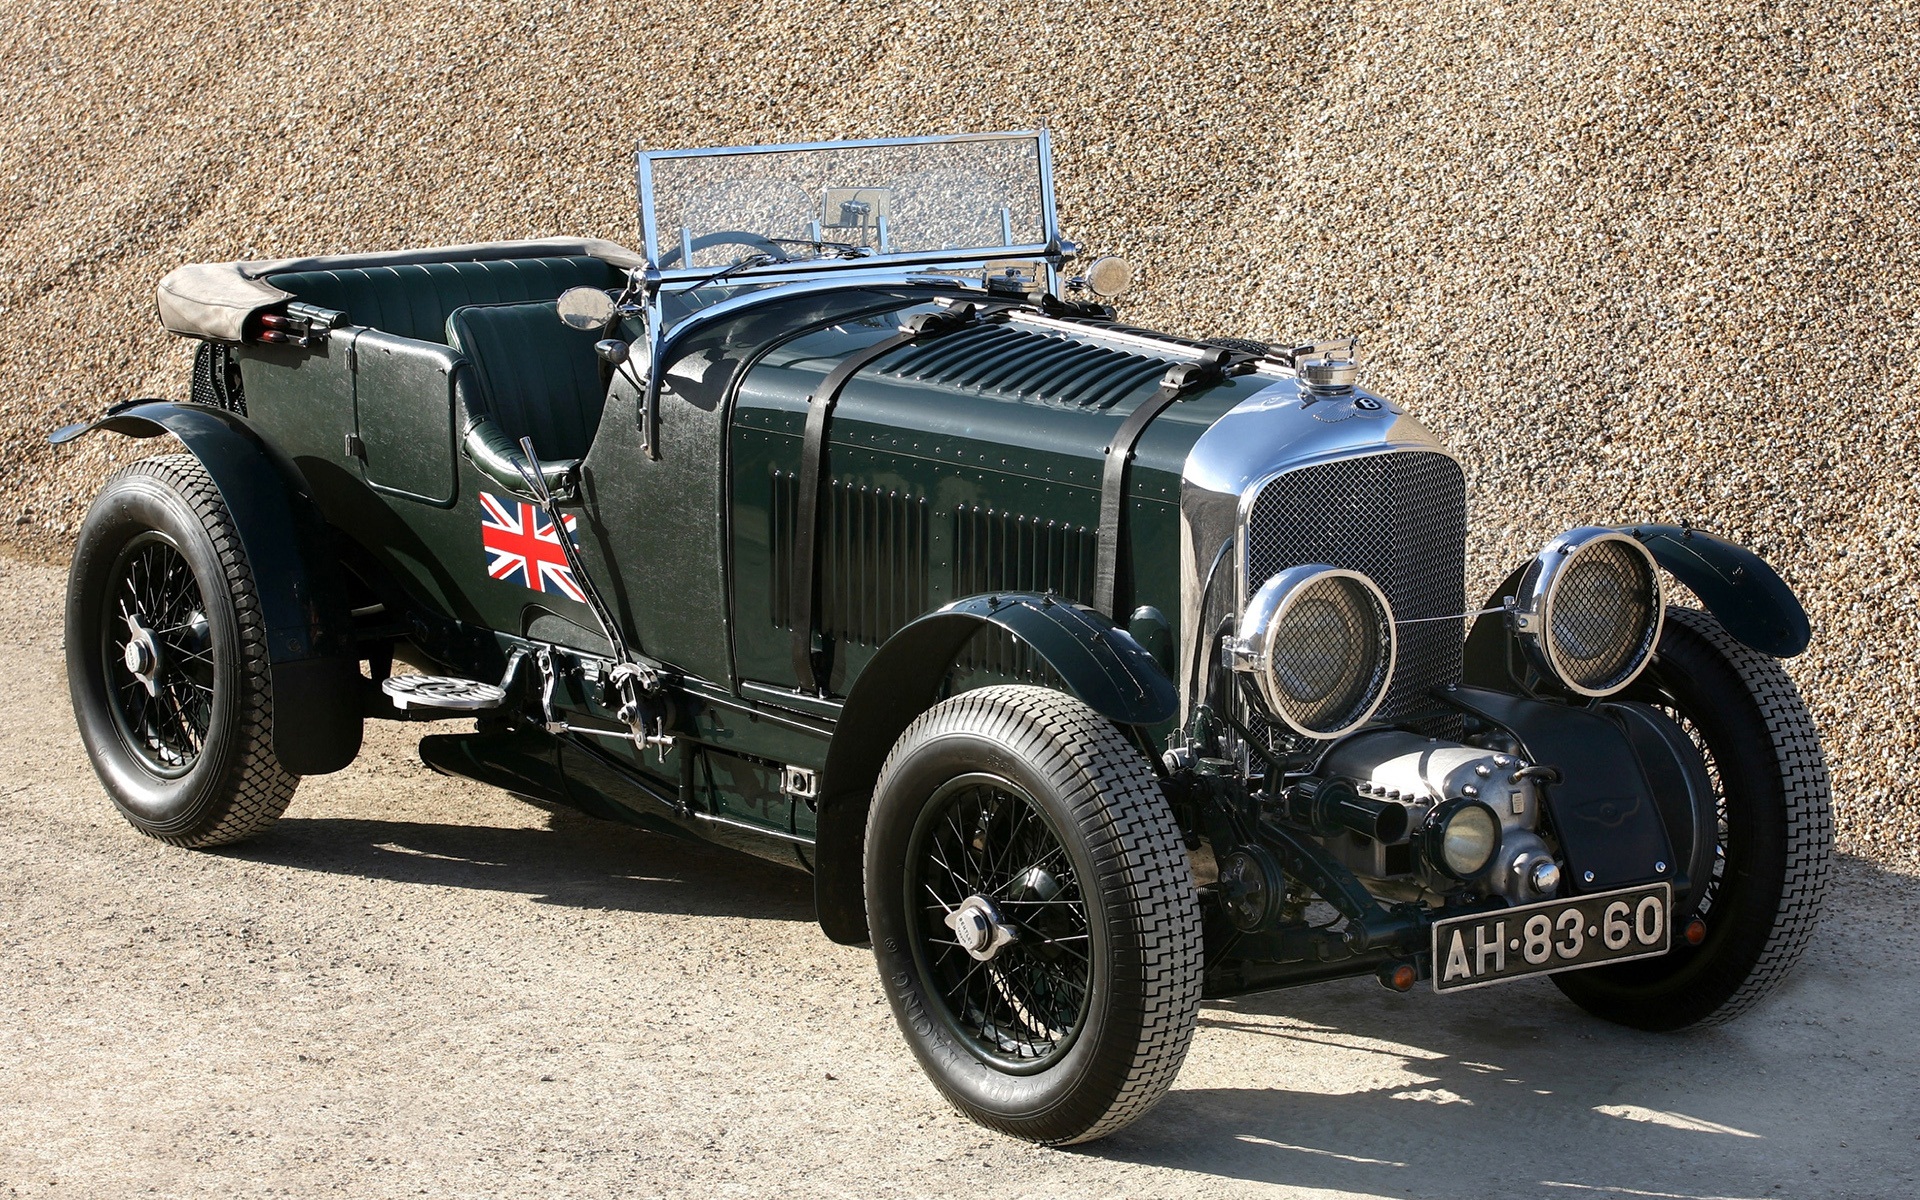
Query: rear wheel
point(1774, 829)
point(1033, 914)
point(167, 659)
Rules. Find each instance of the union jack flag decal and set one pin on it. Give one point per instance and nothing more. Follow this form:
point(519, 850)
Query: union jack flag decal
point(522, 547)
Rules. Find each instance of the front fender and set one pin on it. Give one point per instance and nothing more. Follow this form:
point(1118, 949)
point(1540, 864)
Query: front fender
point(315, 672)
point(1097, 661)
point(1744, 593)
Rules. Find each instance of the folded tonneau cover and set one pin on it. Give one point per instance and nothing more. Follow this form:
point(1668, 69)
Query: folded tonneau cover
point(214, 300)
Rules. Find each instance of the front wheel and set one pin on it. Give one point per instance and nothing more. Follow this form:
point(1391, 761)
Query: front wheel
point(1773, 832)
point(1033, 914)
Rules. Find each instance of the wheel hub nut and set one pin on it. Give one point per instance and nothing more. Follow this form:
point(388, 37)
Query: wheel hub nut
point(977, 926)
point(142, 655)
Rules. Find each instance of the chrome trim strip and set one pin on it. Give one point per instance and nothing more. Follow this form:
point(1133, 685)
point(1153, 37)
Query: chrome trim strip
point(649, 235)
point(971, 255)
point(1049, 220)
point(750, 827)
point(1130, 341)
point(925, 139)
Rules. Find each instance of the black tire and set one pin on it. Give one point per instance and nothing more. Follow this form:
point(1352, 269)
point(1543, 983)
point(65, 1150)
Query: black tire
point(188, 760)
point(1762, 898)
point(1039, 1042)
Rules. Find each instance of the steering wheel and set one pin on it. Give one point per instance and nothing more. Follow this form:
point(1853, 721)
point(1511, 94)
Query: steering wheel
point(729, 237)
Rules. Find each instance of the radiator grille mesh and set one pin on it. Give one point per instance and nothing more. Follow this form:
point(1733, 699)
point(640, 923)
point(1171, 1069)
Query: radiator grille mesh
point(216, 379)
point(1399, 519)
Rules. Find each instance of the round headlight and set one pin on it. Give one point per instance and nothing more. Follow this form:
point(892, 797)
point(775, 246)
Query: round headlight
point(1320, 645)
point(1590, 610)
point(1462, 838)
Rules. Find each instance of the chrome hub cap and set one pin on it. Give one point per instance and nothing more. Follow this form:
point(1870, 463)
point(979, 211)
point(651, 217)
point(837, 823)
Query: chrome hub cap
point(142, 655)
point(978, 927)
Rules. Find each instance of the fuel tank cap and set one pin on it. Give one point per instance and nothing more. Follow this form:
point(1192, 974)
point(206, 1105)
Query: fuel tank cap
point(1328, 367)
point(1329, 374)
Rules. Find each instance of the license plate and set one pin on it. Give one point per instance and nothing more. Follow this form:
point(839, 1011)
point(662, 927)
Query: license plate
point(1555, 935)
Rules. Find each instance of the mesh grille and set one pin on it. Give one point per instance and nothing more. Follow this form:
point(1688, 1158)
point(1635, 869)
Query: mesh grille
point(1602, 618)
point(1400, 519)
point(216, 379)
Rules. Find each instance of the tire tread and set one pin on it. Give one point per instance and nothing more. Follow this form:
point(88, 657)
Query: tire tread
point(1809, 809)
point(256, 788)
point(1131, 833)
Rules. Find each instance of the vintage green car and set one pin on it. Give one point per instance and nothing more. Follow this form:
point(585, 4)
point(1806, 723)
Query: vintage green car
point(1091, 671)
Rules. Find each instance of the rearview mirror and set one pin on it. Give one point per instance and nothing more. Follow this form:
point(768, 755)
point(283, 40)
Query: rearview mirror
point(585, 308)
point(1109, 277)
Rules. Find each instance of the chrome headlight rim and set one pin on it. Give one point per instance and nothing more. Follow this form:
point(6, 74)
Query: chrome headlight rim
point(1434, 833)
point(1271, 605)
point(1536, 609)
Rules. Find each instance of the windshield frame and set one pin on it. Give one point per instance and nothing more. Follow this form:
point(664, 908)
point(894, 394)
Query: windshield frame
point(1052, 249)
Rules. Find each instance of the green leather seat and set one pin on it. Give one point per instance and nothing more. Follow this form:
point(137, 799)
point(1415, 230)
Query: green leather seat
point(414, 300)
point(532, 377)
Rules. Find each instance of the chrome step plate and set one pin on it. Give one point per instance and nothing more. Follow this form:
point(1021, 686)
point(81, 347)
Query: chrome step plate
point(443, 692)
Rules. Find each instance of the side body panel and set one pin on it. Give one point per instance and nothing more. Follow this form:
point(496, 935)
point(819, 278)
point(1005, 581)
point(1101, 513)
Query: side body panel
point(937, 491)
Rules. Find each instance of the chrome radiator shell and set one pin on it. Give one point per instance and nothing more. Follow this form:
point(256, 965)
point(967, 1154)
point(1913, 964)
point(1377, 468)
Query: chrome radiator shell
point(1345, 453)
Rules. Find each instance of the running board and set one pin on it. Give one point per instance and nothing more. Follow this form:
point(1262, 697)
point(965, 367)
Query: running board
point(442, 694)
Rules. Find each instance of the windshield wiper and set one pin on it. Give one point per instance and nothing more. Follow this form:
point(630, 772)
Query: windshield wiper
point(840, 249)
point(757, 258)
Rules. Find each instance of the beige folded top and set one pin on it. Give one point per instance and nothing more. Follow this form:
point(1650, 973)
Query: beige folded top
point(214, 300)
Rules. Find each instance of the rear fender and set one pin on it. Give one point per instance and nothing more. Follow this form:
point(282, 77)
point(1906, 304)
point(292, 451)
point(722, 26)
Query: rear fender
point(315, 671)
point(1098, 662)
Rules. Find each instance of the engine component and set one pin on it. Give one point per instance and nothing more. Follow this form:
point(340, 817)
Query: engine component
point(1319, 642)
point(1430, 781)
point(1332, 805)
point(1252, 888)
point(1590, 610)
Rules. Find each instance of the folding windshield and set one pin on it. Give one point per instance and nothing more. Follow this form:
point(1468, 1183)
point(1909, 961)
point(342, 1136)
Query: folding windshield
point(956, 199)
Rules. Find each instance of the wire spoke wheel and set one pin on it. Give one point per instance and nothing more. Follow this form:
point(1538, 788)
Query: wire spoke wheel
point(1759, 891)
point(1705, 891)
point(156, 645)
point(167, 659)
point(1032, 913)
point(984, 846)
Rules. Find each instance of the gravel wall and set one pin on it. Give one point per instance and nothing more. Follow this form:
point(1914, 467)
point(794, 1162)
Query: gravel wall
point(1634, 260)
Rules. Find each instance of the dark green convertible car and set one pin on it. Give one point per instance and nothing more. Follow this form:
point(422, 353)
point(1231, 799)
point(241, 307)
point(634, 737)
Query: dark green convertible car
point(1091, 671)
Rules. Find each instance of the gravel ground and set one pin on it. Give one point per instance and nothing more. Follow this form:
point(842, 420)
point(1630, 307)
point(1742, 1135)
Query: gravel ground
point(417, 986)
point(1635, 260)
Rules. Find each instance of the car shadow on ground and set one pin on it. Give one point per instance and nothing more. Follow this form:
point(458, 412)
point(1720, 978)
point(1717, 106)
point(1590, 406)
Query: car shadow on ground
point(575, 860)
point(1513, 1091)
